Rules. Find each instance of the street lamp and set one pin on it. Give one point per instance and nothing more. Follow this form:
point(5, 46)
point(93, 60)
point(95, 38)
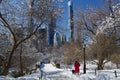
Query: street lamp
point(84, 67)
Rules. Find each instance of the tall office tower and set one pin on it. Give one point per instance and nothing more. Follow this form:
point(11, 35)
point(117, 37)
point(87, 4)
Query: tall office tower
point(51, 32)
point(42, 39)
point(70, 21)
point(57, 39)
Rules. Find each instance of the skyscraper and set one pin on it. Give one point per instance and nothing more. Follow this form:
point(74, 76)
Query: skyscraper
point(70, 21)
point(51, 31)
point(59, 39)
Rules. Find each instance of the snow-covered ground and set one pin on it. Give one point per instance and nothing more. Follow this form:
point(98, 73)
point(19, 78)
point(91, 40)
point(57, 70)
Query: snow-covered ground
point(52, 73)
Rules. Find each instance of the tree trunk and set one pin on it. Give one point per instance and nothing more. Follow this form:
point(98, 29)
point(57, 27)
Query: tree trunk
point(21, 65)
point(117, 65)
point(5, 71)
point(6, 68)
point(100, 64)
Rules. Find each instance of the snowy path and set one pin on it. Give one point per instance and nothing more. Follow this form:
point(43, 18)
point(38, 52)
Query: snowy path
point(52, 73)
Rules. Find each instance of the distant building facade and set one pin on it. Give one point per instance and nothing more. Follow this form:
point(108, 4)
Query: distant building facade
point(51, 33)
point(71, 20)
point(59, 39)
point(42, 39)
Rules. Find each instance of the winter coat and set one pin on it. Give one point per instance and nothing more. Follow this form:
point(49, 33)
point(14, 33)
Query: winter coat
point(76, 66)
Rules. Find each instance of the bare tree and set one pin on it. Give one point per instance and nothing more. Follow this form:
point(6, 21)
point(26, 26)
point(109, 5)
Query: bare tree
point(41, 10)
point(72, 52)
point(115, 59)
point(102, 48)
point(95, 24)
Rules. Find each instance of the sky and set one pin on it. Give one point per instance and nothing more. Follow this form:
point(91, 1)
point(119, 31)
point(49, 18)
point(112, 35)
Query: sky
point(83, 5)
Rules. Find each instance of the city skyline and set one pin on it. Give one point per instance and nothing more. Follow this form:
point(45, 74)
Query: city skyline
point(83, 5)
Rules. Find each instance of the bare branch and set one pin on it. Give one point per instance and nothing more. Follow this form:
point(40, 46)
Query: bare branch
point(8, 26)
point(93, 61)
point(106, 61)
point(29, 35)
point(110, 7)
point(87, 26)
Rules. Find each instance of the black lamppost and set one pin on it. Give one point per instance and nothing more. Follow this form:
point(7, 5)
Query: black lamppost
point(84, 67)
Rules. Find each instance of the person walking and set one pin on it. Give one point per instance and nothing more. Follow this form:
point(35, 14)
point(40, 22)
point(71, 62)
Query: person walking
point(41, 71)
point(76, 68)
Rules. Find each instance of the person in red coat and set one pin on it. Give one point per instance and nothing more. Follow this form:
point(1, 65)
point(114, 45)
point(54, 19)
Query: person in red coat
point(76, 67)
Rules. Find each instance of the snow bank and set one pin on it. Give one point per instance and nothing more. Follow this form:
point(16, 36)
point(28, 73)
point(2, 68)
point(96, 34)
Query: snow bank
point(50, 72)
point(50, 68)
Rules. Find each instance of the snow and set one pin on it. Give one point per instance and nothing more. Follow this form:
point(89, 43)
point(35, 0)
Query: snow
point(50, 72)
point(50, 68)
point(110, 21)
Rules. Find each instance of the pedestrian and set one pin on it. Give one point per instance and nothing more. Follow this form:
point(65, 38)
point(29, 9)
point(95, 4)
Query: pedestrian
point(41, 71)
point(76, 68)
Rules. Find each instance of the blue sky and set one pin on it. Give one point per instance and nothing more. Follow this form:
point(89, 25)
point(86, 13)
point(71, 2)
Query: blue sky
point(82, 4)
point(85, 3)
